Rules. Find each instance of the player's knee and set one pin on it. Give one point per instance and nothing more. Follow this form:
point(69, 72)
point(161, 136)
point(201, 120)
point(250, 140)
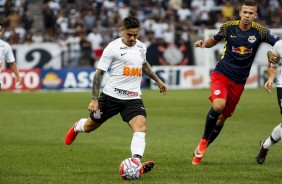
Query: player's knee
point(139, 127)
point(218, 108)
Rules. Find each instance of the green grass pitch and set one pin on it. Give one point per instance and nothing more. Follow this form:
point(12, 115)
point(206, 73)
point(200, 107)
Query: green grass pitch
point(33, 127)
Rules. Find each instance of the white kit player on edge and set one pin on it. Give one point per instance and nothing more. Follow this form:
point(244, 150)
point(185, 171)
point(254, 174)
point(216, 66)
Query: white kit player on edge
point(276, 133)
point(6, 55)
point(126, 57)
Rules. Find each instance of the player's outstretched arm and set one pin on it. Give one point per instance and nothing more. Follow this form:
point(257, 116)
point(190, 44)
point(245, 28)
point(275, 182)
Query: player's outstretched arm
point(206, 44)
point(149, 72)
point(94, 105)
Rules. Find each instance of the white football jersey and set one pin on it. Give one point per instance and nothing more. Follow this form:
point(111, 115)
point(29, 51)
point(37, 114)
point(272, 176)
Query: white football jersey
point(277, 48)
point(126, 69)
point(6, 54)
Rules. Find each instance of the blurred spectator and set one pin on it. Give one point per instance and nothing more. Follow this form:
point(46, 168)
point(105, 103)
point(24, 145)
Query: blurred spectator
point(55, 6)
point(169, 35)
point(175, 4)
point(37, 37)
point(123, 11)
point(227, 11)
point(20, 31)
point(184, 12)
point(28, 21)
point(73, 44)
point(2, 6)
point(14, 19)
point(86, 52)
point(49, 20)
point(63, 22)
point(201, 9)
point(28, 38)
point(95, 38)
point(89, 20)
point(159, 27)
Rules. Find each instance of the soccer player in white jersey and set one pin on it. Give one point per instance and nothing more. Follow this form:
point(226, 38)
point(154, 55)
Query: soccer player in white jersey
point(126, 57)
point(6, 55)
point(276, 133)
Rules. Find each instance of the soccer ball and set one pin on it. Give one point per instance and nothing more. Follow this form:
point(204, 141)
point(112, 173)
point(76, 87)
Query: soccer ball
point(130, 169)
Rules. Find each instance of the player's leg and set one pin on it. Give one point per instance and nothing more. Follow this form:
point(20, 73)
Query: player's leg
point(212, 116)
point(265, 145)
point(211, 119)
point(138, 126)
point(83, 125)
point(276, 132)
point(217, 129)
point(138, 143)
point(108, 108)
point(218, 97)
point(135, 114)
point(233, 96)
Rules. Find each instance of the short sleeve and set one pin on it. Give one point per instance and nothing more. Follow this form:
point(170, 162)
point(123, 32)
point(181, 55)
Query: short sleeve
point(9, 56)
point(106, 59)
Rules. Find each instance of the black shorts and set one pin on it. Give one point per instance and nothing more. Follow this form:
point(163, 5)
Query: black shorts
point(110, 106)
point(279, 98)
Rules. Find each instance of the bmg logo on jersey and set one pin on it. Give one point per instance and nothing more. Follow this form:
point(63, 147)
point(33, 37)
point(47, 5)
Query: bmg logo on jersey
point(132, 71)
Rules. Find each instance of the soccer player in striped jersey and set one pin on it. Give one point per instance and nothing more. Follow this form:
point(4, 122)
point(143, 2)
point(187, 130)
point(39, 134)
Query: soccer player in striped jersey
point(126, 57)
point(242, 39)
point(276, 133)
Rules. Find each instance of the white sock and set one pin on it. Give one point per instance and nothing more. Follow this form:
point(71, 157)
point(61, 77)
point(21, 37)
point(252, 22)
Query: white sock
point(80, 125)
point(138, 143)
point(276, 135)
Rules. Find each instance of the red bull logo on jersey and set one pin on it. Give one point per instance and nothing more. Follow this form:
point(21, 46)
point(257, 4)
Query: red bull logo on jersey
point(242, 50)
point(134, 71)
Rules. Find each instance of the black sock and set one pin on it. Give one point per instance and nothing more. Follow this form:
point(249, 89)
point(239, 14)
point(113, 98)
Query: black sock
point(211, 120)
point(215, 133)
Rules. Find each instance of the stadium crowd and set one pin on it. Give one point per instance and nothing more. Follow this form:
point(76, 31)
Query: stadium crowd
point(85, 27)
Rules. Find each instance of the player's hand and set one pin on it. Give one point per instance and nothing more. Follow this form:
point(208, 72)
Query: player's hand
point(268, 85)
point(199, 43)
point(162, 87)
point(272, 57)
point(93, 105)
point(18, 80)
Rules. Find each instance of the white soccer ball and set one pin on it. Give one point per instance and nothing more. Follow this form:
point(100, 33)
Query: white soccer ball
point(130, 169)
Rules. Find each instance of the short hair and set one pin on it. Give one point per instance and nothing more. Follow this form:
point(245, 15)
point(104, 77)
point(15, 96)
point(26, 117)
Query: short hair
point(249, 3)
point(131, 22)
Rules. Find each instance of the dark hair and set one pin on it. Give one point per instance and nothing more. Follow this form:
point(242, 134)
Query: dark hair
point(249, 3)
point(131, 22)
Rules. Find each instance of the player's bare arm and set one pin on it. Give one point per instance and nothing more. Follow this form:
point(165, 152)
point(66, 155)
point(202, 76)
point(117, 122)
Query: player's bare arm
point(149, 72)
point(271, 76)
point(14, 67)
point(273, 62)
point(206, 44)
point(94, 105)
